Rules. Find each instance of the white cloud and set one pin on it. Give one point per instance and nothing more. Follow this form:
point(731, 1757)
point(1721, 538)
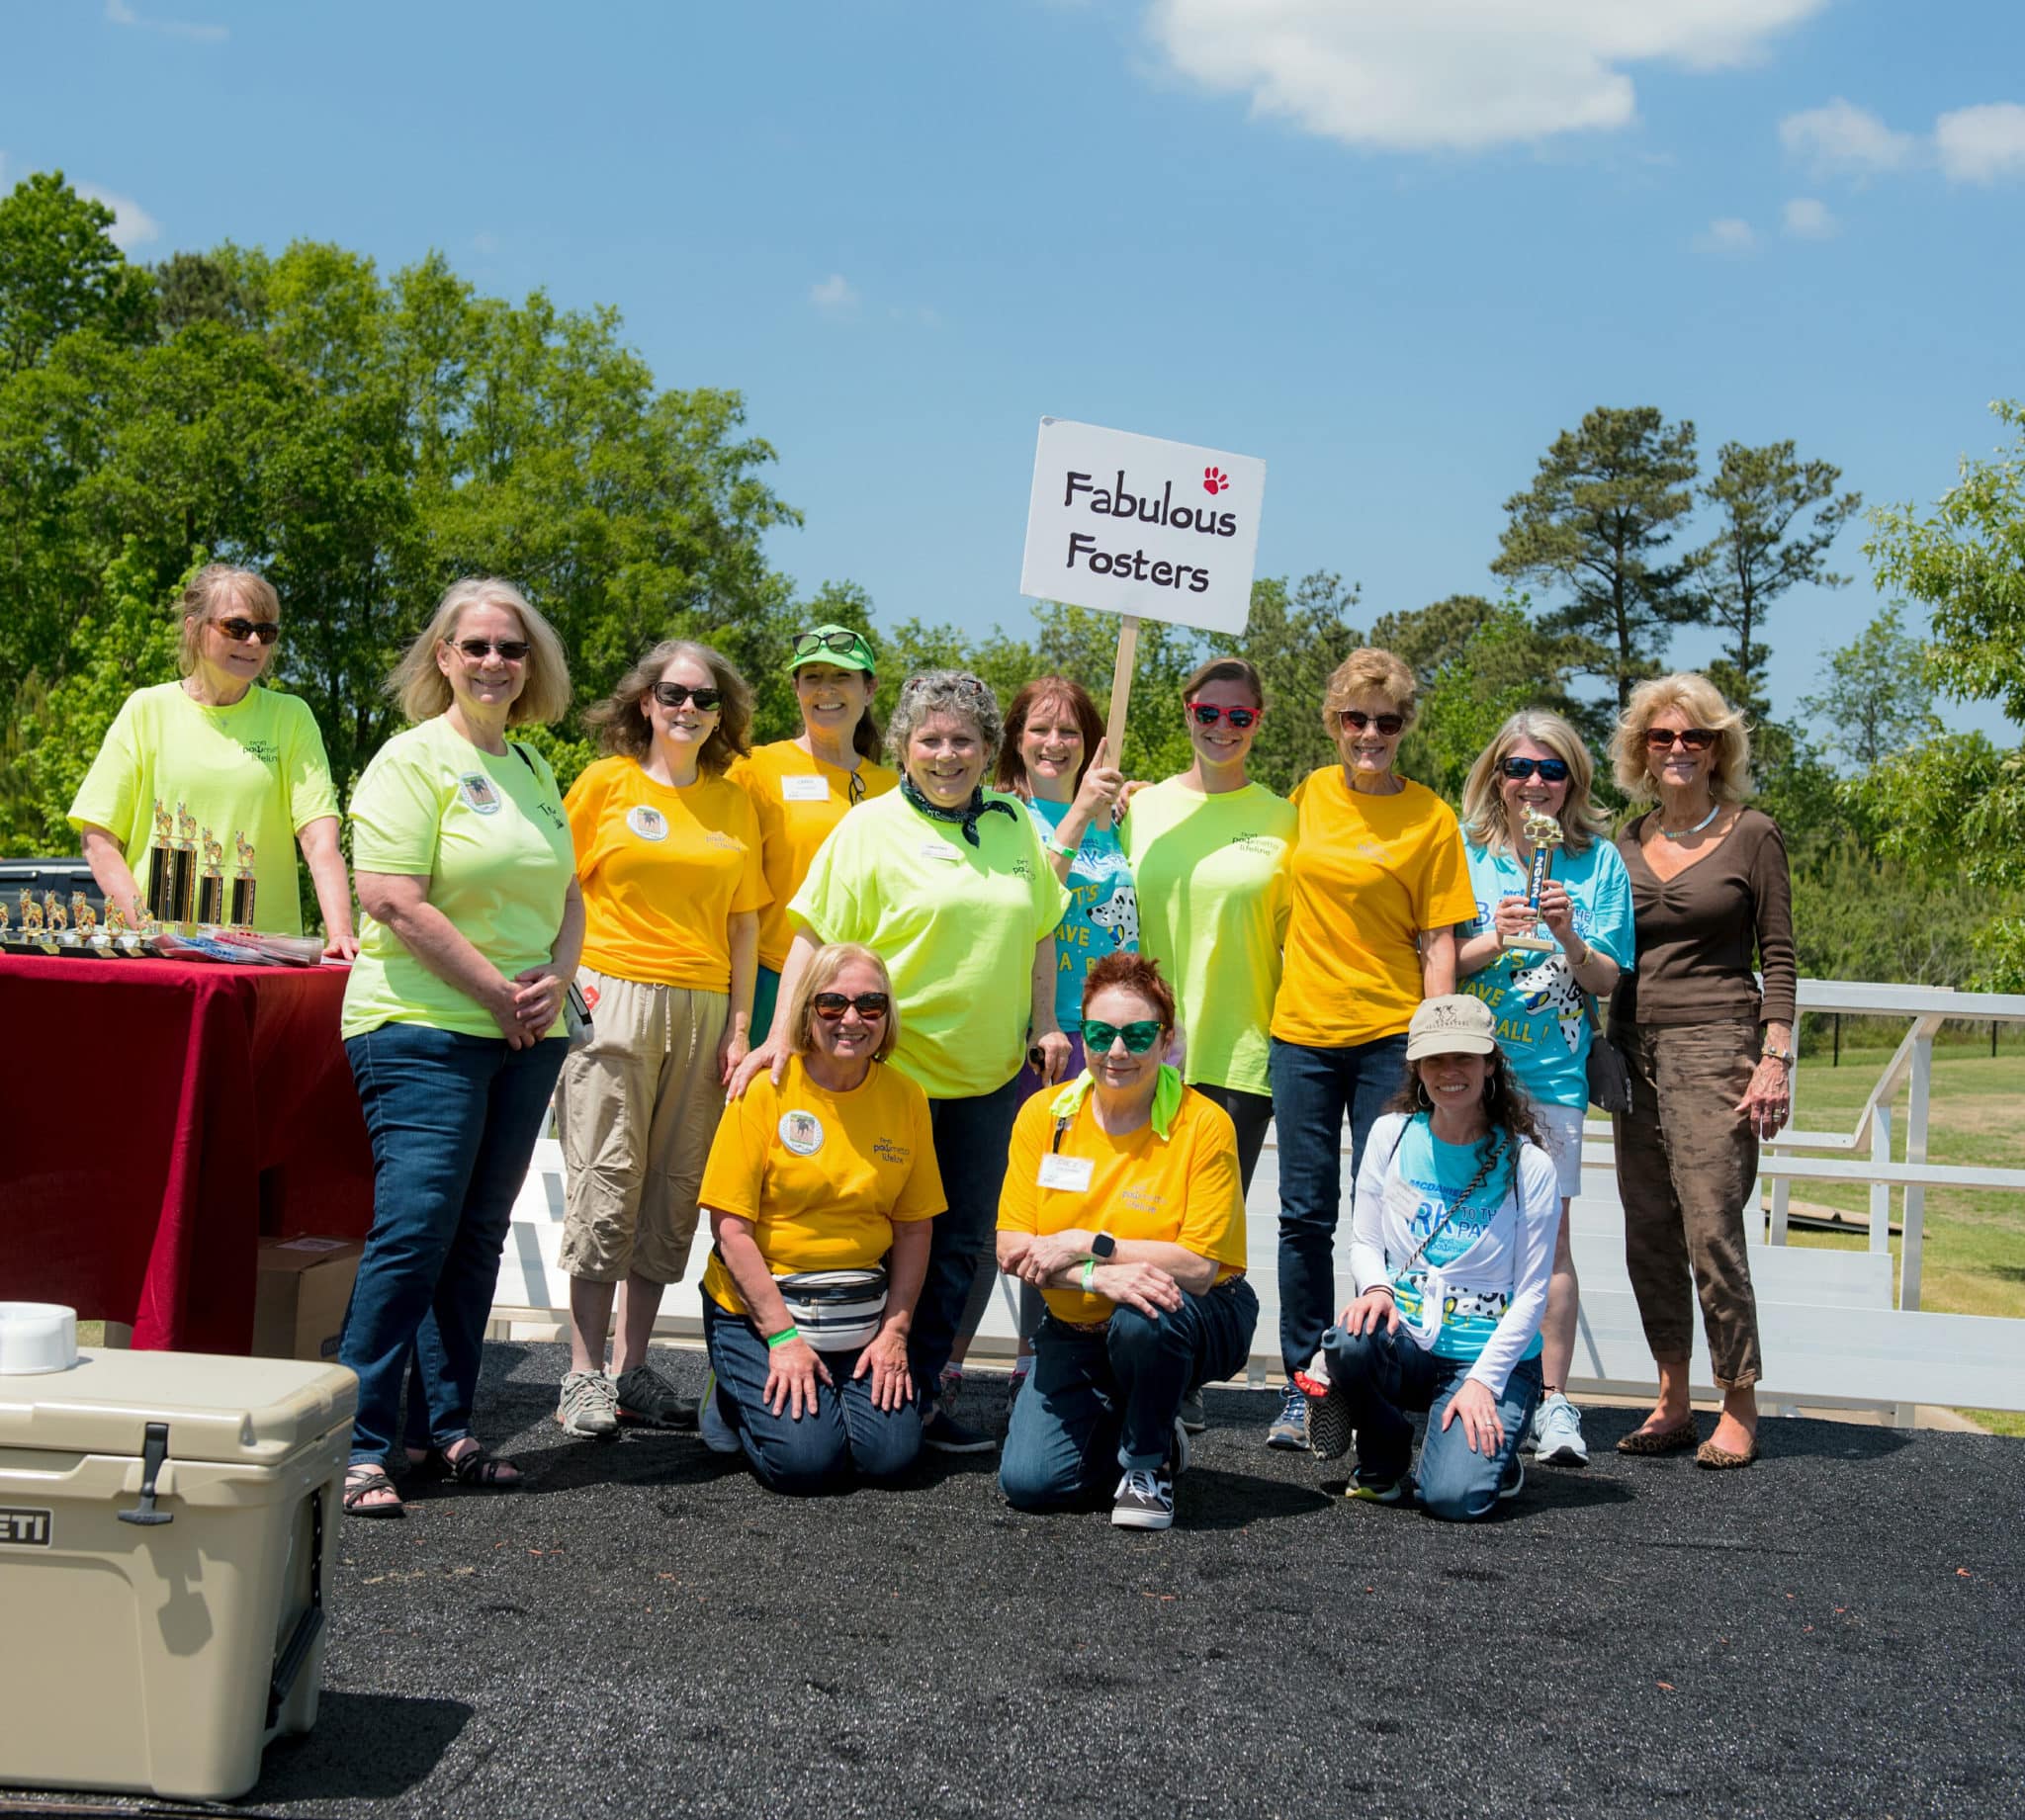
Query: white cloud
point(133, 225)
point(1809, 219)
point(1453, 74)
point(835, 293)
point(1729, 234)
point(1981, 145)
point(119, 13)
point(1843, 137)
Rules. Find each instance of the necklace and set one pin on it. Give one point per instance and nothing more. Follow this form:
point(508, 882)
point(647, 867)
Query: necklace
point(1680, 833)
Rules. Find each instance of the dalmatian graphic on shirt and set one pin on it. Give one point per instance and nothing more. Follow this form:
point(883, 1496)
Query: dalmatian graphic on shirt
point(1119, 913)
point(1550, 986)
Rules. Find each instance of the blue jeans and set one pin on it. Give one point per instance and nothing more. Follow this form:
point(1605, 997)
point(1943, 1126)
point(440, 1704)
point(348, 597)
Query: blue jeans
point(453, 1120)
point(1386, 1375)
point(1103, 1401)
point(847, 1433)
point(1312, 1089)
point(971, 1140)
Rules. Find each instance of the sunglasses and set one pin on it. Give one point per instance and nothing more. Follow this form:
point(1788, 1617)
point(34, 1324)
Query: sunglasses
point(675, 694)
point(1694, 739)
point(1551, 770)
point(511, 650)
point(1138, 1038)
point(1388, 724)
point(1208, 714)
point(260, 631)
point(845, 644)
point(830, 1006)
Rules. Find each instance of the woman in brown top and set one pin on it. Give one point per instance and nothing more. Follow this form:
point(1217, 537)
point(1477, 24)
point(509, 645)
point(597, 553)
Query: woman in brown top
point(1710, 1055)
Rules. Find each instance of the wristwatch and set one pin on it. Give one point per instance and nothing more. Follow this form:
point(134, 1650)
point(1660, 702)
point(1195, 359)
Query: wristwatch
point(1103, 1245)
point(1771, 1054)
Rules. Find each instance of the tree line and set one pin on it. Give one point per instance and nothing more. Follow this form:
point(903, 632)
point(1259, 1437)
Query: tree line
point(363, 439)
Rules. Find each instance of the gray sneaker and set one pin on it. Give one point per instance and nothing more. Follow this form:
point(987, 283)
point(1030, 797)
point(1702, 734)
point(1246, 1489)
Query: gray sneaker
point(1194, 1415)
point(1144, 1500)
point(1289, 1429)
point(1557, 1433)
point(590, 1406)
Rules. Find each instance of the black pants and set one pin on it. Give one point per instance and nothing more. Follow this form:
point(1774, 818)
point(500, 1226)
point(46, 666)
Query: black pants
point(1251, 1113)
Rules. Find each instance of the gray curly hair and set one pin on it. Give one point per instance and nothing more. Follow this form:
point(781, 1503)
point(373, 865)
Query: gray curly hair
point(945, 692)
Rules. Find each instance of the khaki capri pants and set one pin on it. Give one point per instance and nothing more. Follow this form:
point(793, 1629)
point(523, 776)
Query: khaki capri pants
point(636, 1109)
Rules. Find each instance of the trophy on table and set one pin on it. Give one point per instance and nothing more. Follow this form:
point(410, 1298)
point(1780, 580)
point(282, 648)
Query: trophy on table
point(31, 918)
point(1544, 834)
point(161, 860)
point(210, 883)
point(244, 885)
point(183, 867)
point(58, 921)
point(83, 918)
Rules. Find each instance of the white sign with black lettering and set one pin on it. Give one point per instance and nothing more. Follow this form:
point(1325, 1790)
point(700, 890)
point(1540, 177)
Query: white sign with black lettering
point(1135, 525)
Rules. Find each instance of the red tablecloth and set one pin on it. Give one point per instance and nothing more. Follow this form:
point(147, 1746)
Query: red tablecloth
point(155, 1118)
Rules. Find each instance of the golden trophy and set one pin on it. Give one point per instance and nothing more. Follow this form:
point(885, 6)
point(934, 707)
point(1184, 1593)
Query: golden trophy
point(210, 883)
point(244, 885)
point(30, 914)
point(161, 860)
point(83, 918)
point(57, 919)
point(6, 929)
point(1542, 833)
point(183, 867)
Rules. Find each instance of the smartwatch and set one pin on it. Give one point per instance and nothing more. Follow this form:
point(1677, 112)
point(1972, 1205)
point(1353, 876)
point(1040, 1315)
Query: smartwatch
point(1103, 1245)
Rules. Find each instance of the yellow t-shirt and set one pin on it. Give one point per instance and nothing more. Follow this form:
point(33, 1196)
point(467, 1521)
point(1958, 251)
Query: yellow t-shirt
point(663, 869)
point(256, 768)
point(823, 1177)
point(799, 800)
point(1182, 1188)
point(490, 837)
point(1370, 873)
point(1212, 877)
point(956, 926)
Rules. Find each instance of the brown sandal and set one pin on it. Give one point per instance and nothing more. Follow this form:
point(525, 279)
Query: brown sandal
point(1720, 1459)
point(363, 1481)
point(1648, 1442)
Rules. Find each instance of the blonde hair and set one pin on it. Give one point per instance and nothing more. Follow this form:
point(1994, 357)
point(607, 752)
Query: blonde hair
point(1483, 809)
point(1730, 776)
point(424, 691)
point(824, 966)
point(215, 586)
point(622, 728)
point(1367, 671)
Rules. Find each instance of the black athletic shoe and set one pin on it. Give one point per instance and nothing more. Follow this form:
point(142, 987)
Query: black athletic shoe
point(648, 1400)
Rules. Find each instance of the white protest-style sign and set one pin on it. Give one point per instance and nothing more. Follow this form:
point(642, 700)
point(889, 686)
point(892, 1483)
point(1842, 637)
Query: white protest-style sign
point(1143, 527)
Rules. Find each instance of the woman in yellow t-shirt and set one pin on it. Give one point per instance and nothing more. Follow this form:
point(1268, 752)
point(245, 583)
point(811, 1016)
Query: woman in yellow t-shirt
point(802, 788)
point(667, 849)
point(1378, 881)
point(1121, 1205)
point(820, 1190)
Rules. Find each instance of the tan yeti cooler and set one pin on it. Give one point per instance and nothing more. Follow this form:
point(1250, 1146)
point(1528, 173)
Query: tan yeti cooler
point(168, 1523)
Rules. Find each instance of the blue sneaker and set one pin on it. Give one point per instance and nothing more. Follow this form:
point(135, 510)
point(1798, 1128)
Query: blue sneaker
point(1367, 1488)
point(1514, 1481)
point(1289, 1429)
point(1557, 1433)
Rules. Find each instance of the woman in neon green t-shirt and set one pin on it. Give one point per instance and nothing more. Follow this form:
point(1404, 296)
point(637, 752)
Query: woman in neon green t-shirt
point(246, 762)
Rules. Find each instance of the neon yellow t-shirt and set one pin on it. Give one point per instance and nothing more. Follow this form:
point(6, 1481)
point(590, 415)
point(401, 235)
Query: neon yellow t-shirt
point(799, 800)
point(664, 870)
point(823, 1177)
point(1182, 1188)
point(956, 926)
point(1370, 873)
point(1212, 883)
point(491, 837)
point(256, 768)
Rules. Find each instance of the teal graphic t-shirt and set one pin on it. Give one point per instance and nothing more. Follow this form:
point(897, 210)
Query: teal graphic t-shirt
point(1103, 916)
point(1438, 1173)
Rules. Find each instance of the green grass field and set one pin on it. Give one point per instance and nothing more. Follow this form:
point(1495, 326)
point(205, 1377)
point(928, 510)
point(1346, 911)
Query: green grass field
point(1973, 1263)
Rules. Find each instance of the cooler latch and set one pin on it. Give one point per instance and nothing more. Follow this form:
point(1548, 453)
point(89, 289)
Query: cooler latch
point(155, 1454)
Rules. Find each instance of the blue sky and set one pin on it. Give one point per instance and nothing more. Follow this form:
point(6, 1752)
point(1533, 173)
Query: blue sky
point(1391, 246)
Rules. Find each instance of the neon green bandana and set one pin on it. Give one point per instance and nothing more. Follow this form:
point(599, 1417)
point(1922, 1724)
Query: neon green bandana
point(1166, 1099)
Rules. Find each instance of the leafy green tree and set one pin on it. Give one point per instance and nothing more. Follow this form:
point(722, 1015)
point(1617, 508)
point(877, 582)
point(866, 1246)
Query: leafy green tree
point(59, 273)
point(1872, 700)
point(1297, 637)
point(1597, 526)
point(1776, 517)
point(1476, 686)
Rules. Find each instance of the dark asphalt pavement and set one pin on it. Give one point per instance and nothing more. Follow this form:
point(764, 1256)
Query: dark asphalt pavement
point(644, 1631)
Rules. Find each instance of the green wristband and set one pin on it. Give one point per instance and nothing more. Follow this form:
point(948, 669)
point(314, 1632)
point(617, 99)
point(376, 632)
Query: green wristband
point(782, 1338)
point(1089, 1272)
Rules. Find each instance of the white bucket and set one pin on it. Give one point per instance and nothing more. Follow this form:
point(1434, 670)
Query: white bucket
point(37, 1336)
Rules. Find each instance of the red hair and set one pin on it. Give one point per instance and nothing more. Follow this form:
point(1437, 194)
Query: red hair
point(1135, 973)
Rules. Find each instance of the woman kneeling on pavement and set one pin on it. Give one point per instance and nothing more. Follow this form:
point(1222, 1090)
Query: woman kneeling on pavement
point(822, 1191)
point(1453, 1241)
point(1122, 1204)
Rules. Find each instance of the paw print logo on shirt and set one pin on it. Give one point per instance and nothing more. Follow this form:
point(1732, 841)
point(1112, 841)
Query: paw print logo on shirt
point(1214, 481)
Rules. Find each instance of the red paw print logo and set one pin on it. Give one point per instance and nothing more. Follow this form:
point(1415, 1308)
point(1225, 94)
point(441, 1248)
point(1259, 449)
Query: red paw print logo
point(1214, 481)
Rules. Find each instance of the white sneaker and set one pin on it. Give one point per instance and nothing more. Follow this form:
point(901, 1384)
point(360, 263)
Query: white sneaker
point(1557, 1433)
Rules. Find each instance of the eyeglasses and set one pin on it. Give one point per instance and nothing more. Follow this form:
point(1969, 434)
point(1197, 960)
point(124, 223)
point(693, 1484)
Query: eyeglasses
point(1551, 770)
point(260, 631)
point(857, 788)
point(1694, 739)
point(675, 694)
point(1138, 1038)
point(511, 650)
point(845, 644)
point(830, 1006)
point(1388, 724)
point(1208, 714)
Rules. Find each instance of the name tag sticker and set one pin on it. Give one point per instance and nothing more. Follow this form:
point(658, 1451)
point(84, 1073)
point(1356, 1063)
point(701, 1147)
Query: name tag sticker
point(940, 849)
point(805, 790)
point(1071, 1172)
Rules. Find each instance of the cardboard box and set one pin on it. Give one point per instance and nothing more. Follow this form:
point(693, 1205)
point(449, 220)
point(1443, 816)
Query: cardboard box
point(298, 1304)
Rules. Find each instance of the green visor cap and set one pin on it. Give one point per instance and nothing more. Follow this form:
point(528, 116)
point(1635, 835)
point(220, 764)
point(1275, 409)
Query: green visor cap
point(837, 644)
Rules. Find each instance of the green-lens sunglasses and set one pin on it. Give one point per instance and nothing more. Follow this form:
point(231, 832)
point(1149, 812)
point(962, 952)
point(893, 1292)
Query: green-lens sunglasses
point(1139, 1037)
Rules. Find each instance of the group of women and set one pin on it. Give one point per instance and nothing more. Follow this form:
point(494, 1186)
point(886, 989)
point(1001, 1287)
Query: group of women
point(902, 1035)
